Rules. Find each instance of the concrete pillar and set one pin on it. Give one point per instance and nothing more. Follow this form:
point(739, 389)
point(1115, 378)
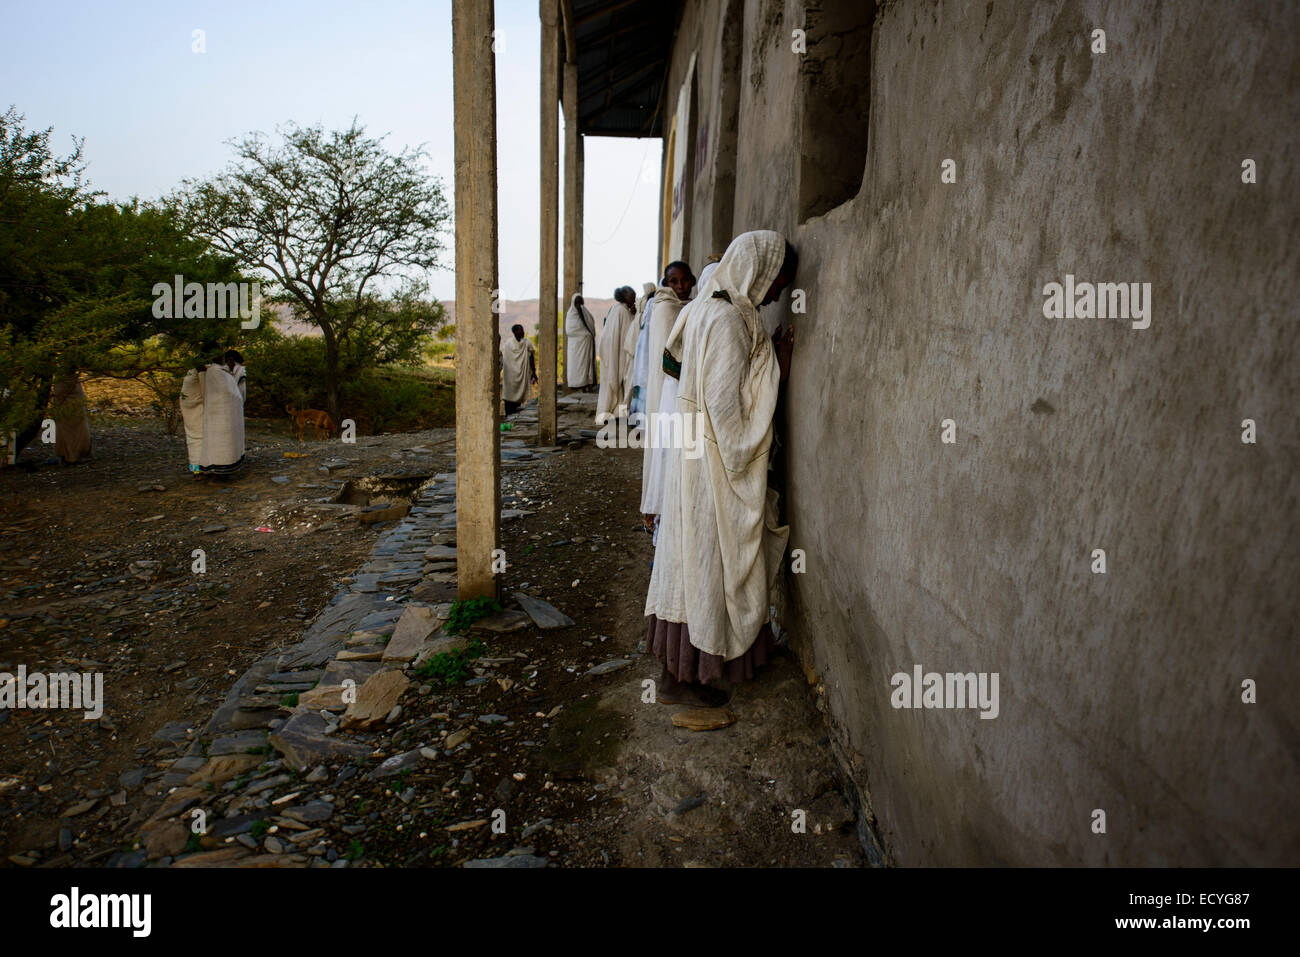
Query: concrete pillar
point(572, 205)
point(579, 196)
point(548, 294)
point(478, 388)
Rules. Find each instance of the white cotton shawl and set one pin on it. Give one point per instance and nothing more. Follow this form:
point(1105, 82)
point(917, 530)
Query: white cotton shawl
point(241, 379)
point(647, 293)
point(719, 546)
point(192, 413)
point(579, 346)
point(223, 419)
point(663, 311)
point(515, 379)
point(615, 370)
point(641, 362)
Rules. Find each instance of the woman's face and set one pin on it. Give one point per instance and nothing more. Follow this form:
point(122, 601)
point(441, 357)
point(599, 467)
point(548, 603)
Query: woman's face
point(680, 282)
point(777, 287)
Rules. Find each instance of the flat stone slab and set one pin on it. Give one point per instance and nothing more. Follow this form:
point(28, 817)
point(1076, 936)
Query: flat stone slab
point(441, 645)
point(221, 769)
point(361, 653)
point(174, 732)
point(517, 861)
point(415, 626)
point(398, 762)
point(303, 742)
point(704, 719)
point(440, 553)
point(359, 638)
point(375, 699)
point(382, 513)
point(310, 813)
point(328, 698)
point(381, 621)
point(400, 577)
point(359, 671)
point(237, 743)
point(544, 615)
point(605, 667)
point(502, 622)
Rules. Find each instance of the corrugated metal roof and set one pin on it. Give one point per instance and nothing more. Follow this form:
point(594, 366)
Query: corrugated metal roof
point(623, 49)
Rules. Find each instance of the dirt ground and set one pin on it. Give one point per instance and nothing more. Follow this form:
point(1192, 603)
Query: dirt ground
point(75, 595)
point(587, 771)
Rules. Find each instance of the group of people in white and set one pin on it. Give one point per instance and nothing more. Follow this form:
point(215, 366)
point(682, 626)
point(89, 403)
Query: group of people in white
point(697, 351)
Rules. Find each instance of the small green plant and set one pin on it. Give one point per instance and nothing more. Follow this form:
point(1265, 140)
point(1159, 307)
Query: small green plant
point(289, 701)
point(192, 844)
point(354, 851)
point(260, 827)
point(450, 667)
point(465, 611)
point(259, 749)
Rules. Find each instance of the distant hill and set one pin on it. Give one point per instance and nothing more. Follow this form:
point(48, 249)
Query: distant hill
point(522, 311)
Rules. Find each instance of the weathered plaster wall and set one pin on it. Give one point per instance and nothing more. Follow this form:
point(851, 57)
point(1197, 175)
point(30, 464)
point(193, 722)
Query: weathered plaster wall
point(1118, 691)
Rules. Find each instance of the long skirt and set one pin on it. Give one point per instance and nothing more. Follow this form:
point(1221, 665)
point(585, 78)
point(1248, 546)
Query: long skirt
point(670, 642)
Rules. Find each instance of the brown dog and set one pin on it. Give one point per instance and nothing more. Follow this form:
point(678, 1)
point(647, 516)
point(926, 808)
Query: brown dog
point(314, 417)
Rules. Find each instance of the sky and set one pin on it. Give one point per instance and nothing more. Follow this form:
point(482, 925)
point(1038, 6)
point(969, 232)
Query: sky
point(153, 112)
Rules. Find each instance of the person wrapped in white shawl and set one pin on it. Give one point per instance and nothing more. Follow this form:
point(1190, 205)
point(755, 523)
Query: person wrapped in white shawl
point(669, 299)
point(640, 359)
point(518, 369)
point(615, 358)
point(579, 346)
point(719, 546)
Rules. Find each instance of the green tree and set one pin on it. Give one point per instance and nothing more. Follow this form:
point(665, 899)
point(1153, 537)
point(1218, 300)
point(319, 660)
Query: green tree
point(330, 218)
point(77, 278)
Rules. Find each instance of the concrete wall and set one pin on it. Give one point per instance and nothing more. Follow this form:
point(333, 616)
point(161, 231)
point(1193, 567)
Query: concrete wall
point(1118, 691)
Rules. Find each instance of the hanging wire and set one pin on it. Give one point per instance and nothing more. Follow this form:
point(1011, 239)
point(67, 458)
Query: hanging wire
point(635, 183)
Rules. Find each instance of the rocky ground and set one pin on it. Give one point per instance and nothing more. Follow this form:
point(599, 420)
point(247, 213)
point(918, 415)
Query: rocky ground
point(298, 718)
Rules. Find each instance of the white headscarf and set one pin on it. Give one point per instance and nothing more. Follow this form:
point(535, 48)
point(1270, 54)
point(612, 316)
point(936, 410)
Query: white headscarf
point(647, 293)
point(746, 272)
point(705, 274)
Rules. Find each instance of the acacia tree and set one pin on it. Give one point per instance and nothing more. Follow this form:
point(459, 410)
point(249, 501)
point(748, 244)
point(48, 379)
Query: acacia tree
point(328, 217)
